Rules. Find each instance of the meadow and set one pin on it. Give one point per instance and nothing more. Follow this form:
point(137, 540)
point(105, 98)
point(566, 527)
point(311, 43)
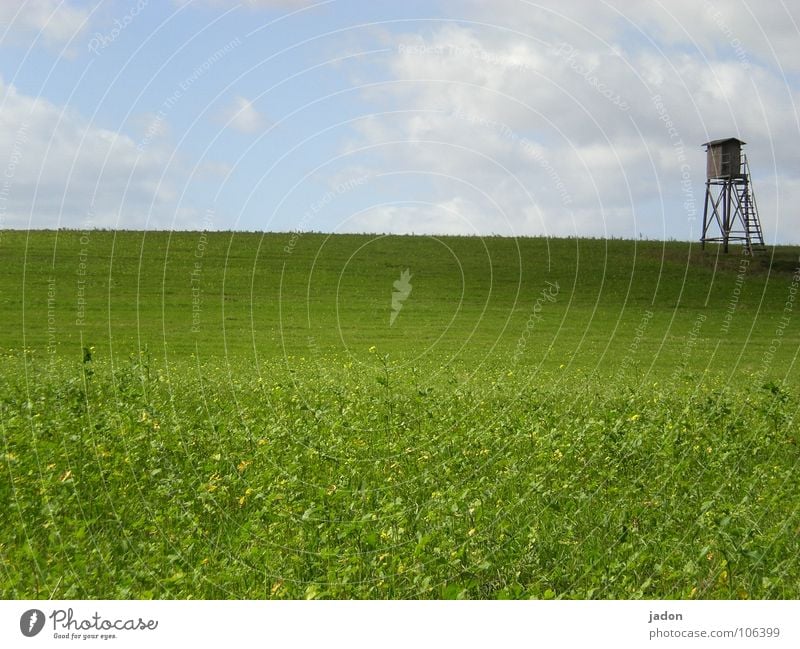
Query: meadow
point(247, 415)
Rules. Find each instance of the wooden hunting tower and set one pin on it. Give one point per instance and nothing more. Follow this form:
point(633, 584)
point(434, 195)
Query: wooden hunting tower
point(730, 201)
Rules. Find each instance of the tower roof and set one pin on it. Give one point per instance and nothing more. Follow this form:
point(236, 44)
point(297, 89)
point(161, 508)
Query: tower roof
point(723, 141)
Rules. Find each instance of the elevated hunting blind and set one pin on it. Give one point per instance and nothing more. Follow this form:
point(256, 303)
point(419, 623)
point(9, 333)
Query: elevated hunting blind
point(730, 201)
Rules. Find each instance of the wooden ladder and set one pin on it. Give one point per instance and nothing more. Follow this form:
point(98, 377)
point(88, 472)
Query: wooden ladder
point(747, 202)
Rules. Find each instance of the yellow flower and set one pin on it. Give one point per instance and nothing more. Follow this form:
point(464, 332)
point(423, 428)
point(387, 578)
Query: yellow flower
point(247, 492)
point(372, 349)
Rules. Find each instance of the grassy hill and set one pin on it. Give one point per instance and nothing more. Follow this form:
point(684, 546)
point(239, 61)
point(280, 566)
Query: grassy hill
point(217, 415)
point(274, 295)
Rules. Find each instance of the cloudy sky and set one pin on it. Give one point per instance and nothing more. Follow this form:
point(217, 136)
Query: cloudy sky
point(511, 117)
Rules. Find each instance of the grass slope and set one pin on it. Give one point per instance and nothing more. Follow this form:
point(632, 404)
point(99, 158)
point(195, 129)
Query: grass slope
point(267, 296)
point(232, 415)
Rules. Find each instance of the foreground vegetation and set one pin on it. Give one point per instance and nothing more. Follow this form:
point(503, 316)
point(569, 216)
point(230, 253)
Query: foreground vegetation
point(326, 482)
point(636, 438)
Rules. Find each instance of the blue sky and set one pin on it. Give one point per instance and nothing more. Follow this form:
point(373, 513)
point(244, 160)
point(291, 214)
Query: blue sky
point(556, 118)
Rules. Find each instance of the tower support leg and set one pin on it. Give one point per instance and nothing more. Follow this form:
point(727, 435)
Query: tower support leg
point(705, 217)
point(726, 217)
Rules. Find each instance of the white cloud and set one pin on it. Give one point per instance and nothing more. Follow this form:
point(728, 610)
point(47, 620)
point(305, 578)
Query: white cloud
point(455, 216)
point(55, 21)
point(764, 32)
point(551, 117)
point(242, 116)
point(150, 126)
point(62, 171)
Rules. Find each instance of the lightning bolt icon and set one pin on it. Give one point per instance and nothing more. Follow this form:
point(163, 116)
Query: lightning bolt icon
point(32, 621)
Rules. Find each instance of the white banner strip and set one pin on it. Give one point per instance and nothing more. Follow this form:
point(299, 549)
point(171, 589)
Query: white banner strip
point(405, 624)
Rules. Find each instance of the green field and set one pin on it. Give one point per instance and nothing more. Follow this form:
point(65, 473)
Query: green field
point(232, 415)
